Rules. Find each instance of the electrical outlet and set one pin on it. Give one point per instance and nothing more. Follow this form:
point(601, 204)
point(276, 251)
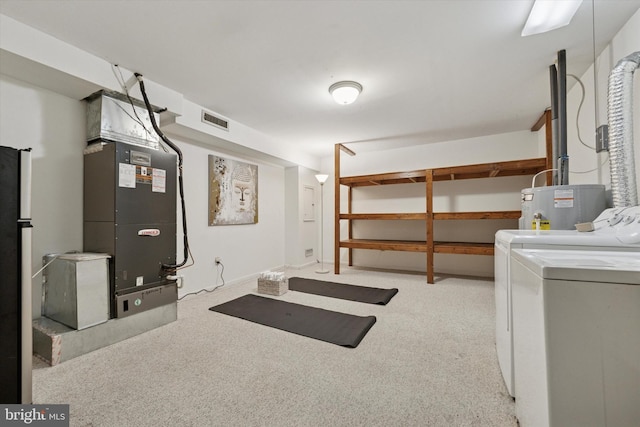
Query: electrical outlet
point(218, 260)
point(602, 138)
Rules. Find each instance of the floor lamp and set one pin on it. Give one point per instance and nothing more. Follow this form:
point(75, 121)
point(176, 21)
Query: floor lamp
point(321, 179)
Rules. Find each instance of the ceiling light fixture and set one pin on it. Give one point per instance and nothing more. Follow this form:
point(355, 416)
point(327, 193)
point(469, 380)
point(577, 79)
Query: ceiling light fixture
point(345, 92)
point(547, 15)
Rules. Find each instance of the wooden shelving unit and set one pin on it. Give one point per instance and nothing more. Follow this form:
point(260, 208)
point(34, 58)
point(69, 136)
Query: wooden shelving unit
point(428, 177)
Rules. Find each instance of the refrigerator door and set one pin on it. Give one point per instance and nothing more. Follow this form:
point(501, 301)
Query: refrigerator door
point(24, 222)
point(25, 185)
point(15, 281)
point(27, 341)
point(10, 301)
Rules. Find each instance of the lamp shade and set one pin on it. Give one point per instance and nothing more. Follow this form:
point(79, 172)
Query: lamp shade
point(345, 92)
point(322, 178)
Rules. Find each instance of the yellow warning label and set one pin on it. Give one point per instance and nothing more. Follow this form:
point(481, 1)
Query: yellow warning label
point(544, 225)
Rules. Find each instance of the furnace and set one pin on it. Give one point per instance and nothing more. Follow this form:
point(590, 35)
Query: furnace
point(130, 204)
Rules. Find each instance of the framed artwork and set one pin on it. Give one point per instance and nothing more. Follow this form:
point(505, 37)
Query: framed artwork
point(233, 192)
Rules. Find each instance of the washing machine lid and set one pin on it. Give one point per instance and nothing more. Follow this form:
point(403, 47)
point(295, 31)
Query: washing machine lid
point(584, 266)
point(605, 238)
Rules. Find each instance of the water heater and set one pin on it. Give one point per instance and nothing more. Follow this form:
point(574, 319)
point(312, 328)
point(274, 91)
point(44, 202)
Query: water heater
point(561, 207)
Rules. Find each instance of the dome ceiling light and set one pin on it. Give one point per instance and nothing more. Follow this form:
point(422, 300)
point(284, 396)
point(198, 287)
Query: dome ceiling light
point(345, 92)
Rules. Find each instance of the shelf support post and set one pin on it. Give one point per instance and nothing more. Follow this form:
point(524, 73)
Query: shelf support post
point(429, 198)
point(350, 225)
point(336, 195)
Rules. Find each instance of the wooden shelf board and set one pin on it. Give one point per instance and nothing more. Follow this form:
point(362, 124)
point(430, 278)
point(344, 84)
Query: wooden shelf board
point(490, 170)
point(419, 246)
point(436, 216)
point(385, 245)
point(482, 170)
point(384, 178)
point(385, 216)
point(463, 248)
point(477, 215)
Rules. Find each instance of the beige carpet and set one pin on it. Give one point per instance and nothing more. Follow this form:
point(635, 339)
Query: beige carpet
point(429, 360)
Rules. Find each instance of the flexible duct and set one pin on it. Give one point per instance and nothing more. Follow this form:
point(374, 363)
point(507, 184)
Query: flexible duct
point(620, 116)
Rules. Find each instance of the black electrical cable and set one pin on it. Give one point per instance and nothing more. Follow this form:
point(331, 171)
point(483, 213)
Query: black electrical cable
point(171, 267)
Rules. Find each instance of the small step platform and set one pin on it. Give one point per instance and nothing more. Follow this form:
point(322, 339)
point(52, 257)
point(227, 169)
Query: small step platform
point(56, 343)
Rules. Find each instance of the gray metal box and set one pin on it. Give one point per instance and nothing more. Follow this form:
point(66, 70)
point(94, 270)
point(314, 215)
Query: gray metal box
point(602, 138)
point(114, 117)
point(137, 302)
point(76, 290)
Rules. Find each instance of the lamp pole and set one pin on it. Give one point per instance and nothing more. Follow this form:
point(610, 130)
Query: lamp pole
point(321, 179)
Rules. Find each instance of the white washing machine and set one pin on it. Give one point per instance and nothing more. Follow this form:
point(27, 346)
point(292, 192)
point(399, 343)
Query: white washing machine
point(576, 321)
point(615, 229)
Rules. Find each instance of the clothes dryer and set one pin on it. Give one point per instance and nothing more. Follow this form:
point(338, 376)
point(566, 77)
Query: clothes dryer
point(615, 229)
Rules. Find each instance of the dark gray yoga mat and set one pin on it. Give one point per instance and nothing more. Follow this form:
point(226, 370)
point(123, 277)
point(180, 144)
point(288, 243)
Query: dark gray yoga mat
point(342, 291)
point(331, 326)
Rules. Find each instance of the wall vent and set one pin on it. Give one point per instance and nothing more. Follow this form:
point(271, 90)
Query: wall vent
point(214, 120)
point(308, 252)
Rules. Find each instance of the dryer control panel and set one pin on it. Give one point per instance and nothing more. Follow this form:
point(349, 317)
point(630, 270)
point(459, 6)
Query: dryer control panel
point(623, 222)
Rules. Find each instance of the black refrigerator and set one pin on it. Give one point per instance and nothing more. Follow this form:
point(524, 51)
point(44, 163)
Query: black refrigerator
point(15, 276)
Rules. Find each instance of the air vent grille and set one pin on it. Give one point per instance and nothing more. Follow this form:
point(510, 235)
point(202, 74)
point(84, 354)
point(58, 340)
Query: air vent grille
point(214, 120)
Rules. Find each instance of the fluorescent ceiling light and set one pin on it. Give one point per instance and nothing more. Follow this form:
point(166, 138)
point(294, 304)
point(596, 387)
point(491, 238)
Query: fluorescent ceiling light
point(345, 92)
point(547, 15)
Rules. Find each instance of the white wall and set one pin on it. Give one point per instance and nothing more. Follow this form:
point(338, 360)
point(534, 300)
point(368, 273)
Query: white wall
point(301, 235)
point(581, 158)
point(292, 201)
point(491, 148)
point(54, 126)
point(247, 249)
